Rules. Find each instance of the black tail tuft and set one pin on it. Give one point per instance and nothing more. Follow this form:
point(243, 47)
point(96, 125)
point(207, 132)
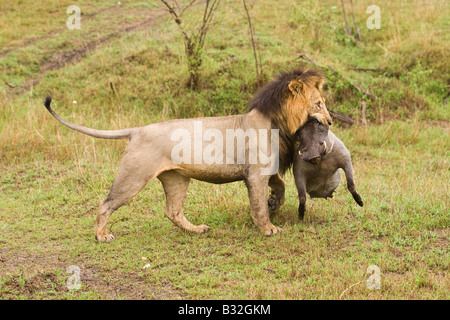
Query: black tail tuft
point(47, 102)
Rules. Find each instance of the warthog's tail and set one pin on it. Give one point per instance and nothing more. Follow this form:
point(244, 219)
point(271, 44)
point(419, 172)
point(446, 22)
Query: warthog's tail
point(104, 134)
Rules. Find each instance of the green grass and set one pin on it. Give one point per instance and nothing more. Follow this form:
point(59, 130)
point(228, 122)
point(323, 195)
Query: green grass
point(52, 179)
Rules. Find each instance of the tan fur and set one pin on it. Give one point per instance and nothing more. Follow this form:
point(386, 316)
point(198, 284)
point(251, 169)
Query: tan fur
point(302, 93)
point(148, 155)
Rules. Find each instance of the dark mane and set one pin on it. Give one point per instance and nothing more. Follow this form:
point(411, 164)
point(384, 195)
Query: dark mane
point(270, 101)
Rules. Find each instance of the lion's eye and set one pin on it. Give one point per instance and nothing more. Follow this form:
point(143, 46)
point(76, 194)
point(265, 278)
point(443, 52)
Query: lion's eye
point(319, 105)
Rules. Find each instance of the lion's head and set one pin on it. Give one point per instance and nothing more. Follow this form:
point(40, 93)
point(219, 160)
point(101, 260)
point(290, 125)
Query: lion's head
point(289, 100)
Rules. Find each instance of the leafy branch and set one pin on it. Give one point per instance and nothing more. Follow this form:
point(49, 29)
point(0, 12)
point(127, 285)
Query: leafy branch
point(193, 42)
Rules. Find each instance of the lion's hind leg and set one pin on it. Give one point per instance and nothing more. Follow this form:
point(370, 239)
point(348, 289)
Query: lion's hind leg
point(175, 186)
point(134, 173)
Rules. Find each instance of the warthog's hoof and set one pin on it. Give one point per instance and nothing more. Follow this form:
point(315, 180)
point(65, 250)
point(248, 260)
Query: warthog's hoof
point(273, 204)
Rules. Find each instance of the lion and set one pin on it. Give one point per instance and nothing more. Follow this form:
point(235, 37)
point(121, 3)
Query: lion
point(164, 150)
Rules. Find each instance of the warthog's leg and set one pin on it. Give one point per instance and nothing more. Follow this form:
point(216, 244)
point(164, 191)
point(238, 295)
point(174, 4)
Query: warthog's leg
point(300, 183)
point(257, 192)
point(175, 186)
point(348, 169)
point(276, 198)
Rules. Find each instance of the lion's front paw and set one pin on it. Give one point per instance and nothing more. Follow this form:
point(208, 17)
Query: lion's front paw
point(104, 237)
point(202, 229)
point(271, 230)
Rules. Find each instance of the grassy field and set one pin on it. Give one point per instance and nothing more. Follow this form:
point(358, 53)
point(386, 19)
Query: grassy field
point(126, 67)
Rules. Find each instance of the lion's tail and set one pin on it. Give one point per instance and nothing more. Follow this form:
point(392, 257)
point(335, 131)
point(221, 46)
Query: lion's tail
point(103, 134)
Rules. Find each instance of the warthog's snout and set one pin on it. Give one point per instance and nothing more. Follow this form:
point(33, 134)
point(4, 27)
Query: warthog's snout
point(314, 155)
point(314, 160)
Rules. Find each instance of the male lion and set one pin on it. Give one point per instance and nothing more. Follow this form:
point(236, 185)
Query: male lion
point(276, 111)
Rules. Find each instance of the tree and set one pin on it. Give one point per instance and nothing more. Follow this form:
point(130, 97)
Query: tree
point(194, 41)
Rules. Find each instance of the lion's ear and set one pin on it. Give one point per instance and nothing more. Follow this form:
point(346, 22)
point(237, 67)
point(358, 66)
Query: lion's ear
point(296, 87)
point(319, 83)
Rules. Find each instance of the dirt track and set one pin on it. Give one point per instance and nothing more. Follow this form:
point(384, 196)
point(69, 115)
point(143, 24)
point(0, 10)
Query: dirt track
point(51, 60)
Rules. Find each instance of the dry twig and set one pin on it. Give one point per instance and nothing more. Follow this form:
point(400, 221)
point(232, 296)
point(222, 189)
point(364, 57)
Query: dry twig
point(342, 294)
point(336, 73)
point(347, 28)
point(363, 113)
point(334, 114)
point(366, 69)
point(341, 117)
point(11, 85)
point(354, 22)
point(258, 64)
